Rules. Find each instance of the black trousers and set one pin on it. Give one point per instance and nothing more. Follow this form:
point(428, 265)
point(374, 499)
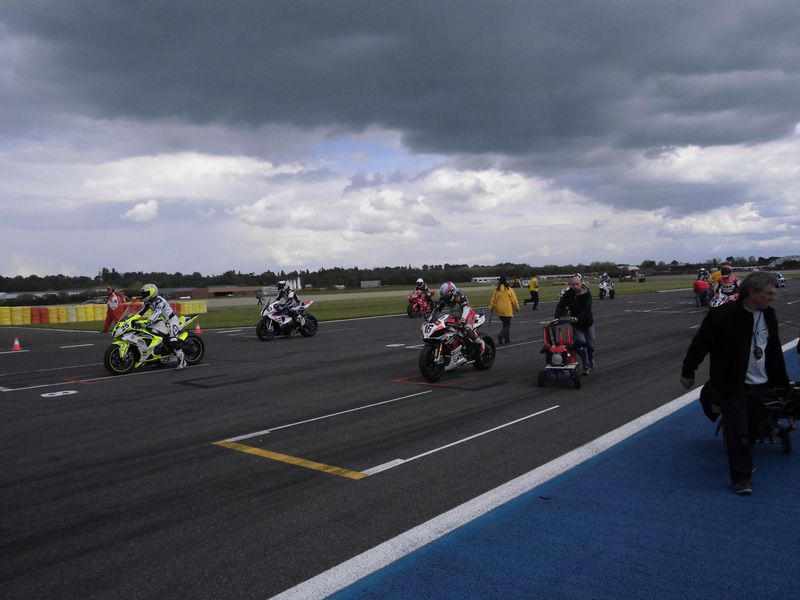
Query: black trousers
point(505, 332)
point(743, 422)
point(535, 300)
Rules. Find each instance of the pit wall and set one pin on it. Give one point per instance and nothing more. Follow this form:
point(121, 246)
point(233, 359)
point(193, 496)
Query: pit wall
point(73, 313)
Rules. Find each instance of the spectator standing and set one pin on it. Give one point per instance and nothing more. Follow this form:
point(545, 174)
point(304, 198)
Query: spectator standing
point(504, 300)
point(115, 303)
point(746, 362)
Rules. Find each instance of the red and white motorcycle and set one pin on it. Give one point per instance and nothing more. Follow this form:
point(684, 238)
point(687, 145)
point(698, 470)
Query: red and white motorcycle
point(275, 320)
point(447, 347)
point(419, 304)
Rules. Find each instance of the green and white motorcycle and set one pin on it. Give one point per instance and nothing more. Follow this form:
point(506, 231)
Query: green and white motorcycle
point(134, 345)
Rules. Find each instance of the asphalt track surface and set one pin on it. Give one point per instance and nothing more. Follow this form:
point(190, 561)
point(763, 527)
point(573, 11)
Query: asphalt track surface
point(271, 463)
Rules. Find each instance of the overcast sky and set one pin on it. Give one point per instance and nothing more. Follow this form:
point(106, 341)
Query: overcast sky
point(191, 135)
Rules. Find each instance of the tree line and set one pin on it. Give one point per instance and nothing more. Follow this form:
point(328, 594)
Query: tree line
point(350, 277)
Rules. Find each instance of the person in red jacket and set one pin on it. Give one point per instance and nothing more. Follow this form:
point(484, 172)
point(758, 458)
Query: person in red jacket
point(116, 306)
point(700, 289)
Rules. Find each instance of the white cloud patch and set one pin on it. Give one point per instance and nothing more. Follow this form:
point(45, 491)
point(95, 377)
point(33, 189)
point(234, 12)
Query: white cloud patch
point(143, 212)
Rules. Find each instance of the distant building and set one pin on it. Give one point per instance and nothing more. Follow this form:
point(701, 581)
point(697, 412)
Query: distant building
point(370, 283)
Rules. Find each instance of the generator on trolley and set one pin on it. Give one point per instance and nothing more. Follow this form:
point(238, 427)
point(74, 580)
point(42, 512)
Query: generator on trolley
point(561, 357)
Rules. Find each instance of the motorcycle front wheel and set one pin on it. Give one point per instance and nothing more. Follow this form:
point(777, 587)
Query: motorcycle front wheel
point(117, 364)
point(430, 364)
point(194, 349)
point(264, 330)
point(310, 327)
point(411, 312)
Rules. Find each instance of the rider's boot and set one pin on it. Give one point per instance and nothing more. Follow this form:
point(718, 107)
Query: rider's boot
point(181, 360)
point(456, 359)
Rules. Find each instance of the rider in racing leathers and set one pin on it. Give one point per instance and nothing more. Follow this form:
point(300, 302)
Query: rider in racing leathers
point(728, 285)
point(287, 300)
point(451, 296)
point(423, 287)
point(163, 311)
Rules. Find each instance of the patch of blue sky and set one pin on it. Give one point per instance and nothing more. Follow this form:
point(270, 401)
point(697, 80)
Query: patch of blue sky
point(351, 155)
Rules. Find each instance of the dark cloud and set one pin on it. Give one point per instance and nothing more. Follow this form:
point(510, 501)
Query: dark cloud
point(477, 76)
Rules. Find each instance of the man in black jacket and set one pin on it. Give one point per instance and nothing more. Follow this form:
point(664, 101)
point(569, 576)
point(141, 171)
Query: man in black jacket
point(576, 302)
point(746, 362)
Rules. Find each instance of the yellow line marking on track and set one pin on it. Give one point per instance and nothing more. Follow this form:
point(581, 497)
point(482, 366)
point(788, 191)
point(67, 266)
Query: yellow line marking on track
point(292, 460)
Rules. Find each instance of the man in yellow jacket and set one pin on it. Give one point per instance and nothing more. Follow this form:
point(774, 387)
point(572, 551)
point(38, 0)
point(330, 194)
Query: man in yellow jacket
point(504, 299)
point(533, 286)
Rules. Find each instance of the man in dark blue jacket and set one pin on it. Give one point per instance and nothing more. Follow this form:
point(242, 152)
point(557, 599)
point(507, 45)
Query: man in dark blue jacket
point(746, 363)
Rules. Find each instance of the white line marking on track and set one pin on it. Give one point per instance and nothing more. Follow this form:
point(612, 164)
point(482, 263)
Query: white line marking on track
point(91, 379)
point(77, 346)
point(336, 414)
point(400, 461)
point(51, 369)
point(13, 351)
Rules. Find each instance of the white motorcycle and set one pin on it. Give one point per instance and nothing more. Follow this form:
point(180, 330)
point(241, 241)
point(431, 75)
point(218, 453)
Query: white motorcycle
point(721, 298)
point(276, 320)
point(447, 347)
point(606, 289)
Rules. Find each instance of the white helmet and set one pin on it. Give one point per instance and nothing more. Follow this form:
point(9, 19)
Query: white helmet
point(447, 291)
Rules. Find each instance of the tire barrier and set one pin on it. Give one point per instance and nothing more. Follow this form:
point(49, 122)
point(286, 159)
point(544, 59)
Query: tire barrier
point(73, 313)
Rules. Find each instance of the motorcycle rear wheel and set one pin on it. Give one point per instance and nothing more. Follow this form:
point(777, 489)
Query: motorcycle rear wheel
point(487, 360)
point(430, 368)
point(265, 330)
point(310, 327)
point(116, 364)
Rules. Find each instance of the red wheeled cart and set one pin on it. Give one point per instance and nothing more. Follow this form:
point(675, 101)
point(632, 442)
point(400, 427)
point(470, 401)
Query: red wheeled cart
point(561, 359)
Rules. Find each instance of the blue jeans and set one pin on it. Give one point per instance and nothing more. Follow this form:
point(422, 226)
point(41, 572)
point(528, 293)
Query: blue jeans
point(585, 343)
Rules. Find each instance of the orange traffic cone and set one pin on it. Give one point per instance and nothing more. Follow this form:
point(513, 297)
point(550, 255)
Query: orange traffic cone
point(197, 329)
point(16, 345)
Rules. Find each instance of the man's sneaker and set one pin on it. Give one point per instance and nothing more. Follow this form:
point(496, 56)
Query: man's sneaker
point(587, 372)
point(742, 488)
point(181, 361)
